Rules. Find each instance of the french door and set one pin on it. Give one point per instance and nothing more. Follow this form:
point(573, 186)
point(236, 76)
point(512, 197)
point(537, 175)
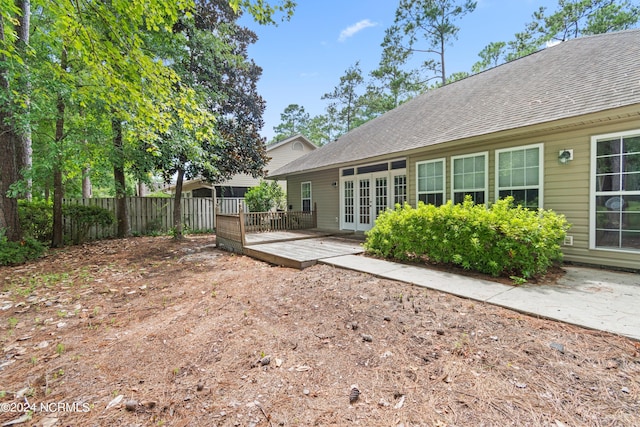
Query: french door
point(363, 198)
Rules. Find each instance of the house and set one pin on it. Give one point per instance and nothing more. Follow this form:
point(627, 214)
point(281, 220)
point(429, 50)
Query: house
point(280, 153)
point(558, 129)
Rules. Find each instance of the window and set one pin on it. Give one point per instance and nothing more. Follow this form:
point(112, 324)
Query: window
point(349, 202)
point(364, 200)
point(399, 189)
point(469, 177)
point(431, 181)
point(305, 190)
point(519, 174)
point(616, 191)
point(297, 146)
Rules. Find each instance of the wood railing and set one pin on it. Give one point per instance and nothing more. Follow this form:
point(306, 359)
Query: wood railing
point(261, 222)
point(231, 229)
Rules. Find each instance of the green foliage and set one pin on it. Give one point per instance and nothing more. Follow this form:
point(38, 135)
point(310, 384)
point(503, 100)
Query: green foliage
point(572, 19)
point(14, 253)
point(428, 26)
point(159, 194)
point(490, 56)
point(345, 99)
point(264, 197)
point(293, 120)
point(36, 219)
point(84, 217)
point(502, 240)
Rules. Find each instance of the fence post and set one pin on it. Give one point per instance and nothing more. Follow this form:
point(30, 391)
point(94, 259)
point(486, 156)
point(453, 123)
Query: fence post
point(215, 206)
point(241, 217)
point(315, 215)
point(216, 212)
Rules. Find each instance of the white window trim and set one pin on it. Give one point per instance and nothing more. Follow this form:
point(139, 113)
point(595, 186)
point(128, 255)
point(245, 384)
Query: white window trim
point(540, 146)
point(361, 165)
point(342, 222)
point(592, 189)
point(444, 178)
point(302, 198)
point(486, 173)
point(392, 184)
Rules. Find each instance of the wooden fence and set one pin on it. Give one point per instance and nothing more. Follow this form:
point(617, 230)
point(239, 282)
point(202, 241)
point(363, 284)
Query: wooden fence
point(147, 215)
point(230, 205)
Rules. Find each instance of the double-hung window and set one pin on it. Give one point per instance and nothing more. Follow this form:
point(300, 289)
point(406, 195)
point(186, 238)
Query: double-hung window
point(615, 216)
point(469, 177)
point(305, 190)
point(430, 176)
point(519, 174)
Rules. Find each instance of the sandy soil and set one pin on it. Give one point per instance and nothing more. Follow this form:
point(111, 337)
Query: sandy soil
point(150, 332)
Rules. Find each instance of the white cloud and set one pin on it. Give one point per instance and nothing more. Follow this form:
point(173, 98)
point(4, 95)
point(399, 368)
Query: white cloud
point(355, 28)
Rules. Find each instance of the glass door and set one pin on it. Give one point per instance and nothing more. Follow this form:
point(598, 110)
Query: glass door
point(363, 214)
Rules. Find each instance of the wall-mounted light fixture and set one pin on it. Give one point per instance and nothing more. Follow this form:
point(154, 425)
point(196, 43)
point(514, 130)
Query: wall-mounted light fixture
point(565, 156)
point(334, 184)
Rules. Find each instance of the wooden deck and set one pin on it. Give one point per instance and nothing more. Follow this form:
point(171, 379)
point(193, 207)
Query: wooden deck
point(252, 239)
point(299, 249)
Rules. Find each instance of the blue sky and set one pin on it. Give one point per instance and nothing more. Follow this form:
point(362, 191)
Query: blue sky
point(304, 58)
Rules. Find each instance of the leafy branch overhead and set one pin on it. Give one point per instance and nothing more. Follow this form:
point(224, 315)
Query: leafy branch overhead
point(122, 91)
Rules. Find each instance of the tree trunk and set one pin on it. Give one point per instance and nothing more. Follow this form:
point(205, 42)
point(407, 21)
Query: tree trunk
point(86, 182)
point(177, 206)
point(443, 73)
point(11, 149)
point(122, 214)
point(26, 150)
point(57, 239)
point(9, 173)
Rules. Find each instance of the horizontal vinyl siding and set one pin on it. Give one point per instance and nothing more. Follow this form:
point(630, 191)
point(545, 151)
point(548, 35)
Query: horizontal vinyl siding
point(323, 194)
point(567, 189)
point(280, 156)
point(285, 154)
point(566, 186)
point(241, 180)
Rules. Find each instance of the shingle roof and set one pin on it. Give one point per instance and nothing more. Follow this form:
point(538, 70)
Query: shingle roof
point(576, 77)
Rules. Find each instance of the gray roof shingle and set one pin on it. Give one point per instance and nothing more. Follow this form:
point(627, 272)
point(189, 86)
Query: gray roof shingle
point(573, 78)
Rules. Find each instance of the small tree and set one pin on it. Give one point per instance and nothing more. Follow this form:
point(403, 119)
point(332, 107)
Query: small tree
point(264, 197)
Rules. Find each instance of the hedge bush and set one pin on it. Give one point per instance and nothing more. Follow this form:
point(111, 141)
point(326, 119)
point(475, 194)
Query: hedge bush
point(15, 253)
point(502, 240)
point(84, 217)
point(36, 219)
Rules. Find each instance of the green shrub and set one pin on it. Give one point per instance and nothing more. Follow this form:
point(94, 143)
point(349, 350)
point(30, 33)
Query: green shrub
point(14, 253)
point(36, 219)
point(84, 217)
point(501, 240)
point(264, 197)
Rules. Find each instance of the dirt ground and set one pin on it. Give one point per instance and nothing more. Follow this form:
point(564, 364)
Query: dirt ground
point(150, 332)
